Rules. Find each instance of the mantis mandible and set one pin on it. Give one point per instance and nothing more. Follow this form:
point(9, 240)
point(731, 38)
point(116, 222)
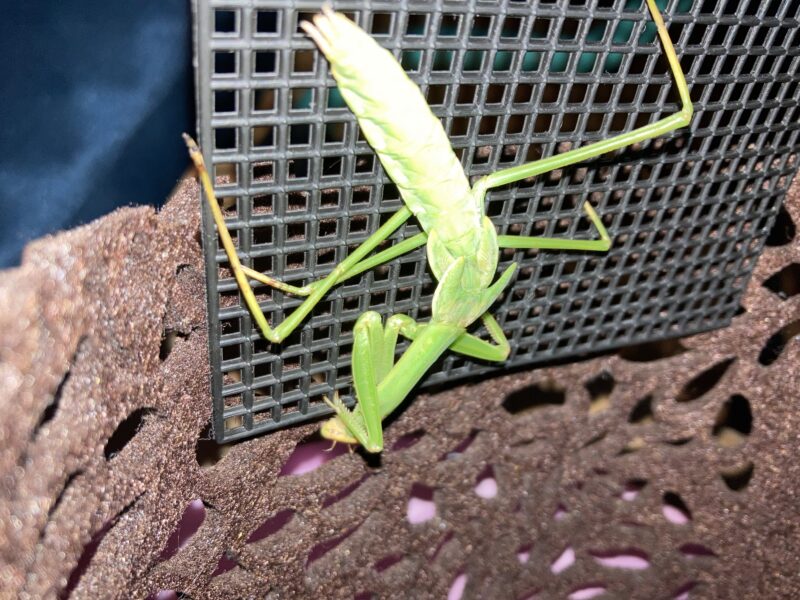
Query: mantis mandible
point(462, 243)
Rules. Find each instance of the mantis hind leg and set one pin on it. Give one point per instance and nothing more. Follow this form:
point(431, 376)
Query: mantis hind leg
point(280, 332)
point(640, 134)
point(373, 261)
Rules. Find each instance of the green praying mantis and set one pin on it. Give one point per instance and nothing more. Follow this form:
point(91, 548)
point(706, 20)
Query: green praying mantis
point(462, 243)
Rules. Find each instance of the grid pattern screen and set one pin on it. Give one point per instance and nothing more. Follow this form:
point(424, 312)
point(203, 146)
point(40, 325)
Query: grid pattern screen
point(512, 81)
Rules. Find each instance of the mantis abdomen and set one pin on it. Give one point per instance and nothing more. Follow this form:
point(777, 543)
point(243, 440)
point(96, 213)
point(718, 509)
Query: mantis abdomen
point(397, 122)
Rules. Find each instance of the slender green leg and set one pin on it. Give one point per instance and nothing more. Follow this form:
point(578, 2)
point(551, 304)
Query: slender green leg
point(301, 312)
point(660, 127)
point(373, 261)
point(380, 383)
point(466, 344)
point(545, 243)
point(373, 358)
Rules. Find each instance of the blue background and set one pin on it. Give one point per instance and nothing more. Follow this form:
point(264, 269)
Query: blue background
point(95, 95)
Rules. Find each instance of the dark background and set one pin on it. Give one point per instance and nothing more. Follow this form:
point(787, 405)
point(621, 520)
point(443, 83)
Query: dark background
point(95, 95)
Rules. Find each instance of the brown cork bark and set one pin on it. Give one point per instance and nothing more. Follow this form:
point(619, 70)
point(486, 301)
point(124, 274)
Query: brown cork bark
point(680, 458)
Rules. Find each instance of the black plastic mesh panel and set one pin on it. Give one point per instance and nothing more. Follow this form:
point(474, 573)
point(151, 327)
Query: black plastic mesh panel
point(512, 81)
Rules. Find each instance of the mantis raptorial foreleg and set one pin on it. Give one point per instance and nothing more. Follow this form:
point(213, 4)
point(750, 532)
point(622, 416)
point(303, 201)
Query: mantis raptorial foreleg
point(381, 384)
point(467, 344)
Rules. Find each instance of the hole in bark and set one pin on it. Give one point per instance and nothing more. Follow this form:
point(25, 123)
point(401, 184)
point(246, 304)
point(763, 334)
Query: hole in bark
point(533, 397)
point(596, 439)
point(600, 389)
point(89, 551)
point(125, 431)
point(524, 553)
point(323, 548)
point(786, 282)
point(560, 512)
point(52, 408)
point(442, 543)
point(783, 231)
point(635, 444)
point(169, 595)
point(737, 479)
point(271, 526)
point(587, 591)
point(85, 559)
point(421, 506)
point(168, 340)
point(734, 422)
point(642, 413)
point(163, 595)
point(564, 561)
point(675, 510)
point(193, 516)
point(682, 593)
point(462, 446)
point(387, 562)
point(652, 351)
point(458, 586)
point(208, 452)
point(60, 497)
point(227, 562)
point(310, 454)
point(632, 559)
point(486, 484)
point(679, 441)
point(693, 550)
point(704, 382)
point(344, 492)
point(775, 344)
point(407, 440)
point(632, 488)
point(363, 596)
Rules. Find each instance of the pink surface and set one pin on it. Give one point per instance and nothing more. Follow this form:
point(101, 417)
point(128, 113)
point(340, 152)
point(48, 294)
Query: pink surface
point(587, 592)
point(311, 455)
point(486, 488)
point(457, 588)
point(564, 561)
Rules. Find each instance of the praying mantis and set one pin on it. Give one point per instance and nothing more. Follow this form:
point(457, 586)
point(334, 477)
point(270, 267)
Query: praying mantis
point(462, 244)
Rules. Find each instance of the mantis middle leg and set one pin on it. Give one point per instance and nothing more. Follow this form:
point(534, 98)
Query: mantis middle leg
point(547, 243)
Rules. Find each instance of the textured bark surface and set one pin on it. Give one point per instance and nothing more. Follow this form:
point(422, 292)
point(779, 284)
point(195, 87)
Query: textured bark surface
point(647, 473)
